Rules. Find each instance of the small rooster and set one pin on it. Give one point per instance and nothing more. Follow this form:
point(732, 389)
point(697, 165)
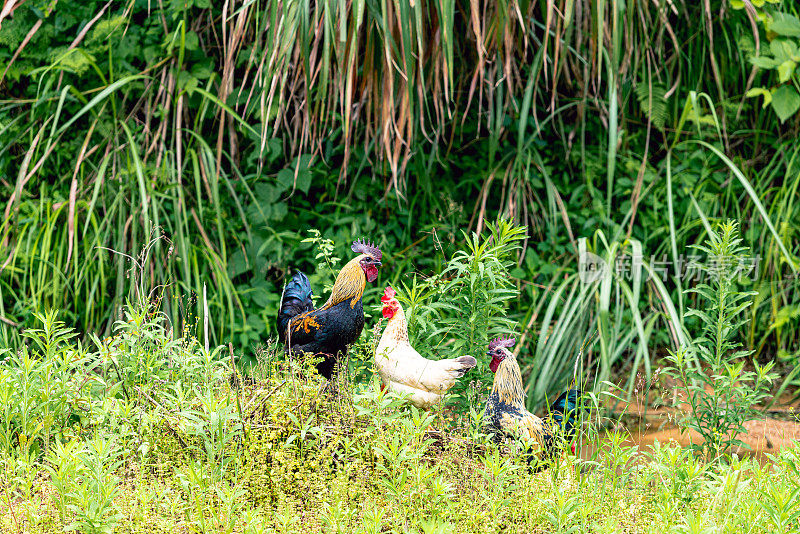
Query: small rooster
point(328, 331)
point(506, 414)
point(404, 370)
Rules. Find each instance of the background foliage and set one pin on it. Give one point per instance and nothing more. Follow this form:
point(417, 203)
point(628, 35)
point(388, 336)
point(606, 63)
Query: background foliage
point(181, 150)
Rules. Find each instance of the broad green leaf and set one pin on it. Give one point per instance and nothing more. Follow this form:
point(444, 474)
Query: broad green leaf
point(192, 41)
point(781, 49)
point(279, 211)
point(261, 297)
point(237, 264)
point(303, 166)
point(785, 70)
point(785, 102)
point(285, 179)
point(304, 180)
point(785, 24)
point(187, 82)
point(793, 49)
point(763, 62)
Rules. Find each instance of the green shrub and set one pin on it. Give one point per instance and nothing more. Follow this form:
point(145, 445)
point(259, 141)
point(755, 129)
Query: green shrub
point(711, 372)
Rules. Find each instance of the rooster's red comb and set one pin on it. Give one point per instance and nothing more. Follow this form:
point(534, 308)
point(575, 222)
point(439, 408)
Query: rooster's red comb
point(365, 247)
point(502, 342)
point(389, 292)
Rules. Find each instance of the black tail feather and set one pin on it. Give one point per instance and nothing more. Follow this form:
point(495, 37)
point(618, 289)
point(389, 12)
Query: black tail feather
point(296, 299)
point(563, 418)
point(564, 411)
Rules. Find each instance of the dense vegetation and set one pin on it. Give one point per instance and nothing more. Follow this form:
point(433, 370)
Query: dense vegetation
point(163, 444)
point(542, 168)
point(204, 141)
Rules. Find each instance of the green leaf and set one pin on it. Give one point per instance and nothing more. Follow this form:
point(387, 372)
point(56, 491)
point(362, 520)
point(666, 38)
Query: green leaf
point(781, 50)
point(763, 62)
point(192, 41)
point(266, 194)
point(203, 69)
point(785, 102)
point(237, 264)
point(304, 180)
point(760, 91)
point(261, 297)
point(187, 81)
point(746, 45)
point(785, 24)
point(517, 273)
point(785, 70)
point(285, 179)
point(653, 103)
point(279, 211)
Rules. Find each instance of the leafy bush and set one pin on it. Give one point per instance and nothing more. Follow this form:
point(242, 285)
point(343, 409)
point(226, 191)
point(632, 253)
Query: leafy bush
point(711, 369)
point(782, 56)
point(84, 476)
point(467, 301)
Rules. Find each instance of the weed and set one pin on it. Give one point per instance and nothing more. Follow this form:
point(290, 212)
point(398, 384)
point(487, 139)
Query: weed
point(711, 370)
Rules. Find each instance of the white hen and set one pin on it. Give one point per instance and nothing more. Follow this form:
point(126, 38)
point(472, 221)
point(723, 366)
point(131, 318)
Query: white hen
point(404, 370)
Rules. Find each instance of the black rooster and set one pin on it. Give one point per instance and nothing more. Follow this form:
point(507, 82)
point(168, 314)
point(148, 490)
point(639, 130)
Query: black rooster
point(329, 330)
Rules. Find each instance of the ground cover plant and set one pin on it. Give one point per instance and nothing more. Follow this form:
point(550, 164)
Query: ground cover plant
point(188, 123)
point(185, 451)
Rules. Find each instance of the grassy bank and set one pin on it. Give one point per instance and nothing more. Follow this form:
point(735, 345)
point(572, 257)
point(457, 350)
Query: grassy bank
point(99, 439)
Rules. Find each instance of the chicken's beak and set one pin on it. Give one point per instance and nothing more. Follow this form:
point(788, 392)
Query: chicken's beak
point(377, 263)
point(488, 353)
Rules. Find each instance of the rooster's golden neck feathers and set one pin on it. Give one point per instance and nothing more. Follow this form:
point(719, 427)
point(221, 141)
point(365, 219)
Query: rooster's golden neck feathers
point(349, 284)
point(508, 382)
